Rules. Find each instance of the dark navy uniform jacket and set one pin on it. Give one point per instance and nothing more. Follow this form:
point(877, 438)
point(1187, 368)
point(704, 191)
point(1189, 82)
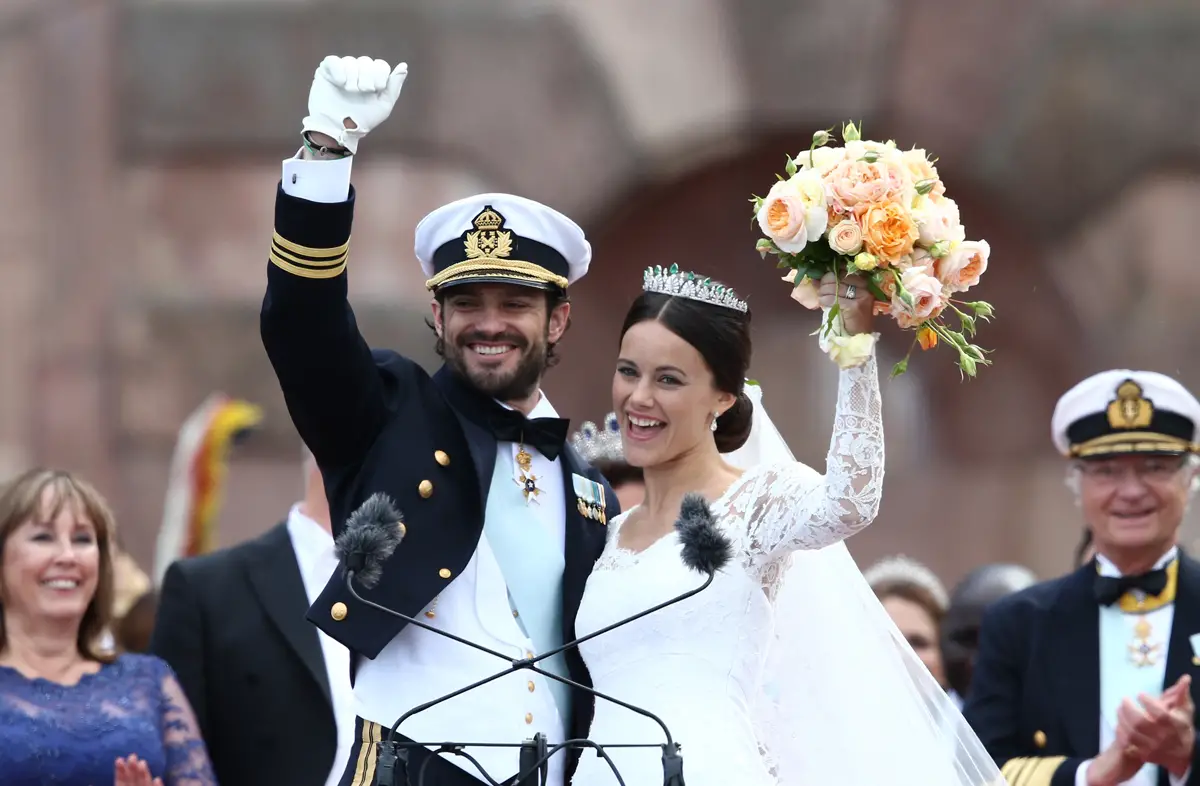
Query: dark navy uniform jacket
point(377, 422)
point(1035, 695)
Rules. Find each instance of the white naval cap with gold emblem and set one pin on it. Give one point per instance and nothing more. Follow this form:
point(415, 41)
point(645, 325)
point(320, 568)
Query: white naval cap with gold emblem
point(1124, 411)
point(501, 238)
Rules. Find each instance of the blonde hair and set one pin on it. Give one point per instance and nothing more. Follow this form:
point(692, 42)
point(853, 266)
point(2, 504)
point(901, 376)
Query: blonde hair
point(21, 500)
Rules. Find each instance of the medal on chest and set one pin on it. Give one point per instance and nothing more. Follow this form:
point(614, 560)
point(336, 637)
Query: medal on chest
point(527, 480)
point(1142, 652)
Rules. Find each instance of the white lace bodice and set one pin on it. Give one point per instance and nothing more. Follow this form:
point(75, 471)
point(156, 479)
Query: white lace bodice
point(698, 663)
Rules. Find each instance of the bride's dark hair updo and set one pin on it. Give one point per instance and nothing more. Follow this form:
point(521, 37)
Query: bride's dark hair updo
point(722, 337)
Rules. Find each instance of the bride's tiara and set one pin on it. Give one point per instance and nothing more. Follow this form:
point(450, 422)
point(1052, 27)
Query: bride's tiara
point(680, 283)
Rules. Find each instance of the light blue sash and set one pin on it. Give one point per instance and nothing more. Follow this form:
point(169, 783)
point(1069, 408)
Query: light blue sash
point(533, 570)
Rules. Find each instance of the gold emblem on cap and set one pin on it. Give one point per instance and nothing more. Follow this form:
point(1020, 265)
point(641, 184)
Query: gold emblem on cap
point(1129, 409)
point(488, 241)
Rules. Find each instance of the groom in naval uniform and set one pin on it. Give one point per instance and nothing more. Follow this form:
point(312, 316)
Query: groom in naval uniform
point(502, 522)
point(1088, 679)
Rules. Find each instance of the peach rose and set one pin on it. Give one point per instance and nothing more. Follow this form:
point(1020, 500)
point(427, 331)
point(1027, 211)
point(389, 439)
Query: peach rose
point(962, 268)
point(927, 338)
point(925, 292)
point(793, 213)
point(846, 238)
point(937, 221)
point(889, 231)
point(807, 293)
point(854, 182)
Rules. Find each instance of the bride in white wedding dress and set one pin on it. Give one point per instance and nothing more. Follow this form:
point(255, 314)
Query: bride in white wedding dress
point(812, 689)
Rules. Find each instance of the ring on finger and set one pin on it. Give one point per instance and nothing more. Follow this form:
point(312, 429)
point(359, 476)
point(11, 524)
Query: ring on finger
point(850, 290)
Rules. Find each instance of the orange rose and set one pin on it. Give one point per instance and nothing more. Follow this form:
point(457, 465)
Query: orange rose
point(889, 232)
point(927, 338)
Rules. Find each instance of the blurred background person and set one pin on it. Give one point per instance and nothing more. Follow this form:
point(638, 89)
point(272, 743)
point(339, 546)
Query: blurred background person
point(69, 710)
point(916, 601)
point(960, 627)
point(271, 691)
point(134, 601)
point(600, 446)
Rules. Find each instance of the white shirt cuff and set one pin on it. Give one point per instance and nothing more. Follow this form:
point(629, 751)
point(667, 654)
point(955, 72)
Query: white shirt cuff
point(317, 181)
point(1182, 779)
point(1081, 774)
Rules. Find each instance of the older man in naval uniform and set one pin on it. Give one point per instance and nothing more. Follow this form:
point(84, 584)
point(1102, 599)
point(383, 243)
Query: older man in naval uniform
point(502, 521)
point(1087, 680)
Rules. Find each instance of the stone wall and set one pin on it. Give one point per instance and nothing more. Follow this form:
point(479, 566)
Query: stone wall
point(138, 209)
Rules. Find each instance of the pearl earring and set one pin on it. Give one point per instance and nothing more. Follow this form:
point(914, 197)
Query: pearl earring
point(713, 426)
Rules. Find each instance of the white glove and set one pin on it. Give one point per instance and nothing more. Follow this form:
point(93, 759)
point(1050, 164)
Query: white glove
point(352, 88)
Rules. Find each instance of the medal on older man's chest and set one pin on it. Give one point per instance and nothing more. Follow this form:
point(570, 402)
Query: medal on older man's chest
point(527, 480)
point(1142, 652)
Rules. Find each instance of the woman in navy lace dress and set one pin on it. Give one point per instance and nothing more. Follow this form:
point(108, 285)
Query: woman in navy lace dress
point(70, 714)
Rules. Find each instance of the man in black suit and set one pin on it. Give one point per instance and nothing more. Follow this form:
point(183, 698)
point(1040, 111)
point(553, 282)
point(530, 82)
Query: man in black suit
point(1087, 680)
point(271, 693)
point(501, 521)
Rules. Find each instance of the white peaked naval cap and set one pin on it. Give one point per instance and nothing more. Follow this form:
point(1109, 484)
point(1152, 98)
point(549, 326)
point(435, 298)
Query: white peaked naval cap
point(501, 238)
point(1124, 411)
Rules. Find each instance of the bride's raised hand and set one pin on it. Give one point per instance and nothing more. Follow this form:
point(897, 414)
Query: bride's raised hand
point(856, 303)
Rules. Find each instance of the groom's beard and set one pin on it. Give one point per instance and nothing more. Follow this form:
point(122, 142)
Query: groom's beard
point(517, 383)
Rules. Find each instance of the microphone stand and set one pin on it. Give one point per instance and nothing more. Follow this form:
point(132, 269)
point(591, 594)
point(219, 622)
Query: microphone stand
point(391, 751)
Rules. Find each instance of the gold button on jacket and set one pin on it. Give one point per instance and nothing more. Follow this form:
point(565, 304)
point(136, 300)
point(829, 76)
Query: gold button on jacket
point(1039, 738)
point(444, 573)
point(338, 611)
point(440, 457)
point(425, 489)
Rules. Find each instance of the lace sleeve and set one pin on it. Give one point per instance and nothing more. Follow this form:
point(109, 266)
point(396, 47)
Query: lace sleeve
point(785, 507)
point(187, 756)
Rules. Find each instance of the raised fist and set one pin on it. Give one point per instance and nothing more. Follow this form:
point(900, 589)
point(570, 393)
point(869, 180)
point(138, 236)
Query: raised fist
point(352, 95)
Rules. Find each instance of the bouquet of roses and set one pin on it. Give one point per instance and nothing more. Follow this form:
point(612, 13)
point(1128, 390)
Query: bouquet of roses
point(870, 209)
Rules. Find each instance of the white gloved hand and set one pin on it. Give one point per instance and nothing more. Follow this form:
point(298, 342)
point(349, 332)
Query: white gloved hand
point(358, 92)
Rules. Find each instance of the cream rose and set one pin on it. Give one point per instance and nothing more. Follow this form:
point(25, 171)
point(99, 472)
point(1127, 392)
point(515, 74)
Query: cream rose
point(846, 238)
point(889, 231)
point(925, 292)
point(922, 170)
point(793, 214)
point(961, 269)
point(851, 351)
point(821, 160)
point(807, 293)
point(937, 220)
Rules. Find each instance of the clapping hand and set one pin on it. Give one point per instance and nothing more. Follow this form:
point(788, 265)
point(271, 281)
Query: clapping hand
point(132, 771)
point(350, 96)
point(1162, 731)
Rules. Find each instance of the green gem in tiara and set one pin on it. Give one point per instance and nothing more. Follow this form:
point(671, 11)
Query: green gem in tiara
point(680, 283)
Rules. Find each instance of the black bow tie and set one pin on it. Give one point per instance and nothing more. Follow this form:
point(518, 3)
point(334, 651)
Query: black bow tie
point(545, 434)
point(1109, 589)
